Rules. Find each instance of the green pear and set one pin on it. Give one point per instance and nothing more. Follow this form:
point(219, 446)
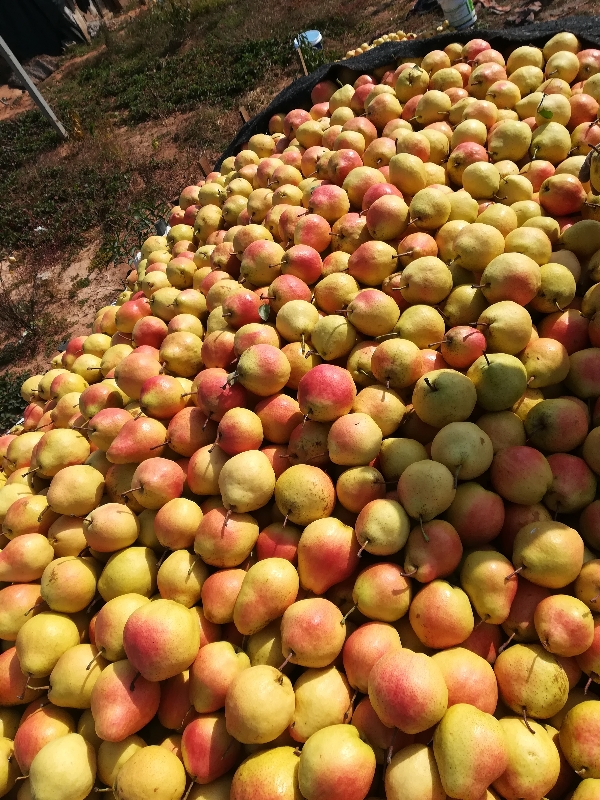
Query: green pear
point(485, 578)
point(531, 681)
point(128, 571)
point(64, 769)
point(500, 380)
point(533, 761)
point(443, 396)
point(464, 448)
point(470, 750)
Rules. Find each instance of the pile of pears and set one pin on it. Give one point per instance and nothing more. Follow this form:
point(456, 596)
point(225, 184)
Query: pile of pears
point(312, 511)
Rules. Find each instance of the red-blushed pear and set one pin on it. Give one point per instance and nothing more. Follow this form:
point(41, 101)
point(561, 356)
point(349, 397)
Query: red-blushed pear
point(212, 673)
point(557, 425)
point(488, 579)
point(15, 603)
point(279, 415)
point(469, 678)
point(485, 640)
point(579, 739)
point(209, 632)
point(161, 397)
point(100, 396)
point(363, 649)
point(371, 729)
point(16, 688)
point(270, 586)
point(583, 379)
point(175, 705)
point(573, 485)
point(407, 691)
point(133, 370)
point(105, 425)
point(139, 439)
point(149, 330)
point(396, 363)
point(327, 554)
point(161, 639)
point(277, 541)
point(156, 481)
point(531, 681)
point(110, 527)
point(412, 774)
point(476, 513)
point(516, 517)
point(239, 430)
point(25, 558)
point(564, 624)
point(190, 430)
point(306, 228)
point(259, 705)
point(129, 313)
point(304, 494)
point(110, 622)
point(462, 345)
point(207, 748)
point(382, 592)
point(521, 475)
point(68, 585)
point(435, 555)
point(312, 632)
point(549, 554)
point(122, 701)
point(219, 593)
point(225, 539)
point(441, 615)
point(589, 660)
point(152, 771)
point(218, 349)
point(519, 625)
point(263, 369)
point(40, 726)
point(336, 764)
point(272, 773)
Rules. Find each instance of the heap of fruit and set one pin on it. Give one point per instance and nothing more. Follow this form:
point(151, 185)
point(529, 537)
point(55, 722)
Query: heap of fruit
point(312, 513)
point(398, 36)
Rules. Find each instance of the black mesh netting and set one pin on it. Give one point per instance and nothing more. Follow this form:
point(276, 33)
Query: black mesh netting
point(297, 94)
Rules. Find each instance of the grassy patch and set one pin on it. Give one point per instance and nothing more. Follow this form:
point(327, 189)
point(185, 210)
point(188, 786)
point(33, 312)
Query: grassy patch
point(11, 402)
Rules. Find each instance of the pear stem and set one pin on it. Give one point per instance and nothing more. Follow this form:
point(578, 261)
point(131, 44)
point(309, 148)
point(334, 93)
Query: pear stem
point(527, 725)
point(487, 361)
point(287, 661)
point(345, 617)
point(132, 684)
point(94, 659)
point(507, 642)
point(350, 709)
point(589, 683)
point(408, 574)
point(162, 444)
point(423, 529)
point(189, 789)
point(513, 574)
point(390, 750)
point(362, 547)
point(432, 386)
point(192, 565)
point(455, 482)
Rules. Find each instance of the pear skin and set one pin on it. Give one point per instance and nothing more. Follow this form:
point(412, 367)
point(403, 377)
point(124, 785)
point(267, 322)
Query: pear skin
point(65, 768)
point(323, 698)
point(485, 578)
point(413, 775)
point(533, 761)
point(270, 586)
point(272, 772)
point(151, 772)
point(118, 709)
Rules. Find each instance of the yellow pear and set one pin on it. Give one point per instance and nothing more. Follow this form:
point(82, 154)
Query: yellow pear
point(64, 769)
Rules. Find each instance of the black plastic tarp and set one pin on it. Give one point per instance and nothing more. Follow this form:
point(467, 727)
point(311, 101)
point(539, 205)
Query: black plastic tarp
point(297, 94)
point(37, 27)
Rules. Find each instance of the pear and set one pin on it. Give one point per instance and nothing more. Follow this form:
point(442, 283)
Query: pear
point(122, 702)
point(58, 449)
point(382, 527)
point(336, 764)
point(500, 380)
point(25, 558)
point(548, 553)
point(246, 481)
point(9, 722)
point(270, 586)
point(444, 396)
point(579, 737)
point(215, 668)
point(587, 790)
point(86, 728)
point(426, 489)
point(41, 725)
point(111, 527)
point(507, 327)
point(132, 570)
point(564, 625)
point(69, 584)
point(65, 768)
point(396, 454)
point(181, 577)
point(161, 639)
point(259, 705)
point(476, 245)
point(469, 678)
point(531, 681)
point(323, 698)
point(208, 750)
point(441, 615)
point(219, 789)
point(470, 750)
point(412, 774)
point(151, 772)
point(464, 448)
point(327, 553)
point(112, 756)
point(75, 490)
point(269, 772)
point(42, 640)
point(74, 676)
point(312, 632)
point(533, 761)
point(486, 578)
point(110, 622)
point(550, 142)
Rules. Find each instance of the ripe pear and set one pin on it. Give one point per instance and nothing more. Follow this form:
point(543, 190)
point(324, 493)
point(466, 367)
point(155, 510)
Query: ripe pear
point(41, 725)
point(382, 527)
point(75, 490)
point(322, 698)
point(426, 489)
point(270, 586)
point(17, 602)
point(224, 539)
point(111, 527)
point(579, 738)
point(412, 774)
point(10, 719)
point(396, 454)
point(151, 772)
point(476, 245)
point(25, 558)
point(304, 494)
point(441, 615)
point(65, 768)
point(112, 756)
point(469, 678)
point(74, 676)
point(271, 772)
point(364, 647)
point(126, 571)
point(548, 553)
point(215, 668)
point(485, 577)
point(259, 705)
point(407, 691)
point(42, 640)
point(444, 396)
point(500, 380)
point(68, 584)
point(110, 622)
point(122, 702)
point(161, 639)
point(531, 681)
point(264, 647)
point(470, 750)
point(336, 764)
point(246, 481)
point(564, 624)
point(208, 750)
point(312, 632)
point(587, 789)
point(533, 762)
point(327, 554)
point(464, 448)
